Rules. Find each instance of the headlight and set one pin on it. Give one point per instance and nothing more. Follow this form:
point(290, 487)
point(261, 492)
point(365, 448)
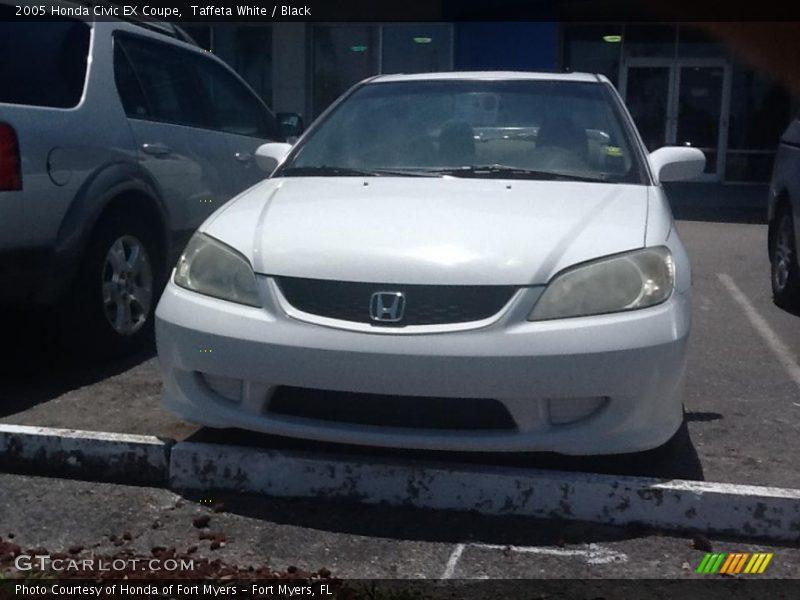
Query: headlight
point(625, 282)
point(210, 267)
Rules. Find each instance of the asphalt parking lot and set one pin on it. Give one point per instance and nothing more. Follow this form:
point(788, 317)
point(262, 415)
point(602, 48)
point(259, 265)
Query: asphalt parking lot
point(352, 541)
point(742, 407)
point(742, 397)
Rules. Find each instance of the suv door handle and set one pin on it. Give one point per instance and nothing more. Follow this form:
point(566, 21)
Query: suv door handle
point(243, 157)
point(156, 149)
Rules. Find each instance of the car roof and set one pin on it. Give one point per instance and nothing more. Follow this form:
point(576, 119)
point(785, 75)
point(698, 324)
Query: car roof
point(488, 76)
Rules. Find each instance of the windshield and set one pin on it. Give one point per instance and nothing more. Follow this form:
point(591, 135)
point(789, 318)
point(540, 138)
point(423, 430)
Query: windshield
point(515, 129)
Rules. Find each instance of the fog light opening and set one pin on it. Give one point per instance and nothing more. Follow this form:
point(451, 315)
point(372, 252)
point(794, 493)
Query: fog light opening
point(228, 388)
point(563, 411)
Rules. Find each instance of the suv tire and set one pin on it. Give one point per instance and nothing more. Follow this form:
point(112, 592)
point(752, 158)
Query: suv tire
point(784, 271)
point(114, 296)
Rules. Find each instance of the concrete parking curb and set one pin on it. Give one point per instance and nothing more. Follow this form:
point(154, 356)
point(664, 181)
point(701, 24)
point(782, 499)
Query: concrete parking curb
point(752, 511)
point(719, 508)
point(93, 455)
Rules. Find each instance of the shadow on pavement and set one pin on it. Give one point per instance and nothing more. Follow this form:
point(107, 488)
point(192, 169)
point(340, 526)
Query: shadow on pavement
point(703, 417)
point(792, 310)
point(677, 459)
point(37, 364)
point(417, 524)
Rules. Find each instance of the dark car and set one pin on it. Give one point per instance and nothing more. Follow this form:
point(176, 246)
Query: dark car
point(784, 220)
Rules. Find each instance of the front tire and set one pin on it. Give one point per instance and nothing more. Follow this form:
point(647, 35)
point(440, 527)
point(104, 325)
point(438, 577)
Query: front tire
point(118, 285)
point(785, 274)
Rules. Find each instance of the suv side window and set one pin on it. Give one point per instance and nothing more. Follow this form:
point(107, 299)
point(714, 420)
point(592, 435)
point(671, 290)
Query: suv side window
point(44, 63)
point(167, 81)
point(234, 108)
point(128, 87)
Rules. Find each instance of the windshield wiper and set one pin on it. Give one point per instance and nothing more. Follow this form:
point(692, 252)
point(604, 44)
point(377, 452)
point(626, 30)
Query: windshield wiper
point(408, 172)
point(507, 172)
point(328, 171)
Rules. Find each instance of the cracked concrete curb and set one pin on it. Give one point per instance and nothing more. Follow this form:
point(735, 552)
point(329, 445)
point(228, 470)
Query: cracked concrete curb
point(93, 455)
point(751, 511)
point(719, 508)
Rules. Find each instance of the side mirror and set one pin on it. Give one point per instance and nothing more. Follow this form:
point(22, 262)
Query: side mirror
point(290, 124)
point(677, 163)
point(269, 156)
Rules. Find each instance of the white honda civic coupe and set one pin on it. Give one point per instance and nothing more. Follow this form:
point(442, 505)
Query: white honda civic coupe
point(455, 261)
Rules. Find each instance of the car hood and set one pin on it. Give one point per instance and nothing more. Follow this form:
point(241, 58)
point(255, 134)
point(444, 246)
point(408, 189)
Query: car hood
point(429, 230)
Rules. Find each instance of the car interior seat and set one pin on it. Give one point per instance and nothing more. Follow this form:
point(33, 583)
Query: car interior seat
point(457, 144)
point(560, 131)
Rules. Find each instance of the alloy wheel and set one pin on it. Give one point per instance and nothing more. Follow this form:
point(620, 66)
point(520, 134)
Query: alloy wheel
point(127, 285)
point(783, 254)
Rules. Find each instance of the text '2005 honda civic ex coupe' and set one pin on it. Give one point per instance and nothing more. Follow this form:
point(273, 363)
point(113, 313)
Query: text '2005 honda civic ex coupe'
point(455, 261)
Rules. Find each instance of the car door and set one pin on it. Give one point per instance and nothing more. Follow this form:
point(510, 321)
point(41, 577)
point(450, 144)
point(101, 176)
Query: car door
point(241, 116)
point(176, 143)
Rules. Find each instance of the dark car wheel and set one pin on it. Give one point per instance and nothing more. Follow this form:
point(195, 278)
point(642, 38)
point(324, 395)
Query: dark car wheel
point(783, 258)
point(119, 283)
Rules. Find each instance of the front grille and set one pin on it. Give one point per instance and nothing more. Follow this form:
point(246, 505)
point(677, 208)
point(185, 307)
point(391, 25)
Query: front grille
point(424, 304)
point(415, 412)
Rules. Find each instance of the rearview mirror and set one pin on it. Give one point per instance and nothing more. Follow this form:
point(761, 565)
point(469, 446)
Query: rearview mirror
point(269, 156)
point(291, 124)
point(677, 163)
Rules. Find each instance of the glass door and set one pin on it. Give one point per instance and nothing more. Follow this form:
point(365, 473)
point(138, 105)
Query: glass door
point(646, 89)
point(680, 102)
point(701, 118)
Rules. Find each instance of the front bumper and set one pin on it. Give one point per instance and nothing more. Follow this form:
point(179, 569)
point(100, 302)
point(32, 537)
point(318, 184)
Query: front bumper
point(635, 361)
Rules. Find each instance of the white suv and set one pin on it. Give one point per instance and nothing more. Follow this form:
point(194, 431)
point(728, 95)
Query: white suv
point(116, 142)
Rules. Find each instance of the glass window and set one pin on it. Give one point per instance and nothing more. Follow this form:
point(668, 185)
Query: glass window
point(44, 63)
point(749, 166)
point(167, 80)
point(593, 49)
point(128, 87)
point(248, 50)
point(699, 106)
point(343, 56)
point(549, 126)
point(234, 108)
point(418, 48)
point(650, 40)
point(695, 43)
point(647, 93)
point(760, 110)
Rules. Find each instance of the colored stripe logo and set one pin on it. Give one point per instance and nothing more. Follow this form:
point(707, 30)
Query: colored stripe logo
point(734, 563)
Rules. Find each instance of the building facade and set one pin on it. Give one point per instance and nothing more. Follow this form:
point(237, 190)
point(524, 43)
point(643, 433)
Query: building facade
point(680, 86)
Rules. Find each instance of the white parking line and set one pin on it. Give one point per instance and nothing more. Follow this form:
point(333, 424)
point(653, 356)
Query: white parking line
point(450, 568)
point(783, 353)
point(593, 553)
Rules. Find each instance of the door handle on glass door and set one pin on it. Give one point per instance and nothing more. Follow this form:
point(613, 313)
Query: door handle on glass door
point(156, 149)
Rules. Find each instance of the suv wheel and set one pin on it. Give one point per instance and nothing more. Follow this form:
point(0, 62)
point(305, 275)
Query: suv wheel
point(127, 285)
point(785, 272)
point(118, 286)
